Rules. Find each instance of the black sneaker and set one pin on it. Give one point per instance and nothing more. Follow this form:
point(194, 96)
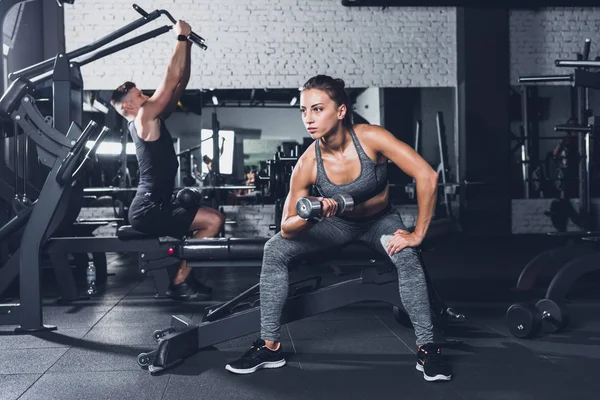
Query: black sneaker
point(258, 357)
point(430, 362)
point(199, 286)
point(188, 291)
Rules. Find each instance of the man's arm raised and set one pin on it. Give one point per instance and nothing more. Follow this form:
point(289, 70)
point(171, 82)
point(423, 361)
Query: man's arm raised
point(183, 82)
point(156, 104)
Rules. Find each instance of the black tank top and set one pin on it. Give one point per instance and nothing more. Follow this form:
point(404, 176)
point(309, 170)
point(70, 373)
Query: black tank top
point(158, 164)
point(371, 181)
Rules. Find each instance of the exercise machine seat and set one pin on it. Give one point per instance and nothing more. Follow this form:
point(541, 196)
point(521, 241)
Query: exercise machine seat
point(12, 97)
point(126, 232)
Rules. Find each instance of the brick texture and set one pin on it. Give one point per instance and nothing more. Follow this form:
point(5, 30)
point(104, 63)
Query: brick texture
point(275, 43)
point(537, 38)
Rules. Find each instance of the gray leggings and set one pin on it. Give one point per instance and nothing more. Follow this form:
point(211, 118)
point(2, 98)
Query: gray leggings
point(333, 232)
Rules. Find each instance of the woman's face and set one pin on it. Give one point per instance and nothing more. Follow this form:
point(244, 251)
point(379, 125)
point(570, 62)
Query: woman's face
point(320, 113)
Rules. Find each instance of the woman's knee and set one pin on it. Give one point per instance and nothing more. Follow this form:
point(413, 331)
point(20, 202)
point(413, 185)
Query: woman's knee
point(407, 259)
point(273, 245)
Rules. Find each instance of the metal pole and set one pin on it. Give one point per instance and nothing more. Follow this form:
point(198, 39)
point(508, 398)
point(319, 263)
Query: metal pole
point(526, 130)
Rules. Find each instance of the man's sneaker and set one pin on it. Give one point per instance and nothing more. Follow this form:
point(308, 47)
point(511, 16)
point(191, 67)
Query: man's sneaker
point(430, 362)
point(199, 286)
point(189, 291)
point(258, 357)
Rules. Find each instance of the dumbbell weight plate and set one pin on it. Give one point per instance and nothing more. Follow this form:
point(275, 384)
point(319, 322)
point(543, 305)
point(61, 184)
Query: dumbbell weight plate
point(558, 315)
point(308, 208)
point(345, 203)
point(524, 320)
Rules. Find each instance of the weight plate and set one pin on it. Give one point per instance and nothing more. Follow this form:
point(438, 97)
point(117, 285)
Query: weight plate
point(308, 207)
point(554, 315)
point(523, 320)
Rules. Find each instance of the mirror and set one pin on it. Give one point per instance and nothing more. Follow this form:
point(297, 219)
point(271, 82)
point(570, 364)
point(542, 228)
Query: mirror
point(255, 123)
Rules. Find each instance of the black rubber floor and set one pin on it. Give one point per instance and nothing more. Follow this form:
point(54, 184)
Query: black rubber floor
point(358, 352)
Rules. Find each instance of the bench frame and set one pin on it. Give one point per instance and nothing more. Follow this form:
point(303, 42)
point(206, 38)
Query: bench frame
point(184, 337)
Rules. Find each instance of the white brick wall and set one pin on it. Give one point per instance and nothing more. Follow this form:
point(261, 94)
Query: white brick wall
point(537, 38)
point(276, 43)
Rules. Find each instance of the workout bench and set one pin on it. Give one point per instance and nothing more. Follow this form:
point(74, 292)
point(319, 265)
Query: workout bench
point(378, 281)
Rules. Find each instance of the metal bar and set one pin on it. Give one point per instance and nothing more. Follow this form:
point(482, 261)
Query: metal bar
point(125, 44)
point(543, 79)
point(133, 189)
point(45, 65)
point(193, 37)
point(441, 133)
point(526, 132)
point(584, 201)
point(577, 63)
point(572, 128)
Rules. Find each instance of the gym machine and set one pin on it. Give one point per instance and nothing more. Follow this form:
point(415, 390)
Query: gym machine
point(65, 156)
point(561, 209)
point(58, 205)
point(64, 69)
point(582, 80)
point(546, 176)
point(581, 255)
point(67, 86)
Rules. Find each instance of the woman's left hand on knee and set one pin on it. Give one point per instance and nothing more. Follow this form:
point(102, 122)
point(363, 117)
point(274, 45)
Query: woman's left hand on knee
point(401, 240)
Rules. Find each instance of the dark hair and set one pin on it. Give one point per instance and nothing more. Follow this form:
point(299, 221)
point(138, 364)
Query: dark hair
point(119, 93)
point(334, 87)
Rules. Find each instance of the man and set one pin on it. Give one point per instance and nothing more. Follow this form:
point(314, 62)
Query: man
point(153, 210)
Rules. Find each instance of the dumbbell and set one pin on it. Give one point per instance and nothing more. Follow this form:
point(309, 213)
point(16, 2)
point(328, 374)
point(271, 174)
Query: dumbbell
point(526, 320)
point(189, 197)
point(310, 207)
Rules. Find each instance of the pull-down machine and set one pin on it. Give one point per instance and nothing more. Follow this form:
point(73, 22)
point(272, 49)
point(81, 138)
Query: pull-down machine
point(65, 68)
point(64, 154)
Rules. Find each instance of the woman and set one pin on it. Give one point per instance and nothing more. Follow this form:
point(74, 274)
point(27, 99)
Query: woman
point(347, 159)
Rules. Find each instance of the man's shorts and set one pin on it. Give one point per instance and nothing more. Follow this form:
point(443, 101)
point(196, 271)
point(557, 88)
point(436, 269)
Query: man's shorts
point(161, 219)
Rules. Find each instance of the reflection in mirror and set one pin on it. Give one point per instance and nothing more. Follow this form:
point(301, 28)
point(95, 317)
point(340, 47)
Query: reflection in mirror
point(226, 144)
point(256, 123)
point(256, 150)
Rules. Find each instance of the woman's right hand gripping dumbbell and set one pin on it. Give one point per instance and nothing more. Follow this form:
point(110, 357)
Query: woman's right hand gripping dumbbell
point(329, 207)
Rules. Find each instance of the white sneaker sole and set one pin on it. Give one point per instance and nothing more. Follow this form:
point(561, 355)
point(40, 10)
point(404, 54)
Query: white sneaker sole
point(265, 365)
point(439, 377)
